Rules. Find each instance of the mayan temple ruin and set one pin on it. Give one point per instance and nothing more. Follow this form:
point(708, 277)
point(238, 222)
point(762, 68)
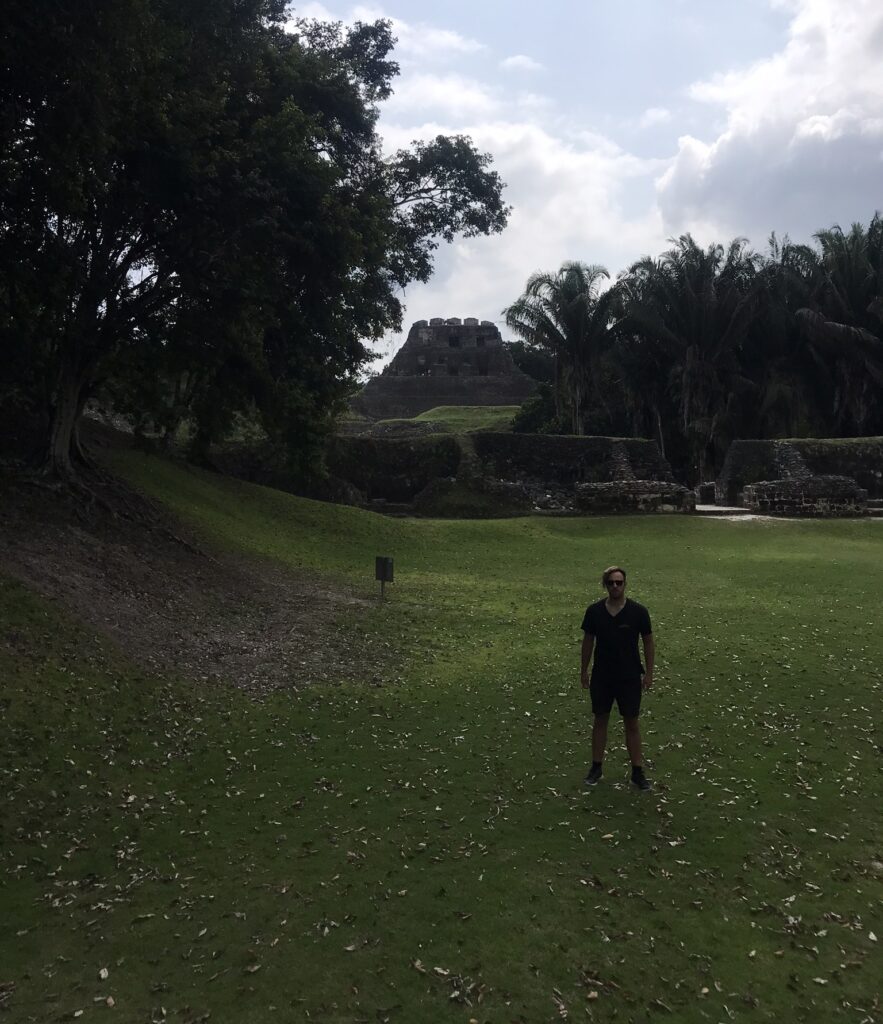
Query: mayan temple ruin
point(445, 362)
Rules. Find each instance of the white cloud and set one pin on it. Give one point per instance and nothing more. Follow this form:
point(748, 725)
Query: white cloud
point(653, 116)
point(440, 96)
point(520, 62)
point(425, 42)
point(417, 42)
point(803, 137)
point(569, 194)
point(312, 10)
point(796, 144)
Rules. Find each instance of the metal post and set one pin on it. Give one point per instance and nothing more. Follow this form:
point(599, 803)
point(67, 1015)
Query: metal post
point(383, 571)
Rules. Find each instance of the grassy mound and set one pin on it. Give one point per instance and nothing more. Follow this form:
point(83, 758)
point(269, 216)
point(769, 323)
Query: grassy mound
point(464, 419)
point(424, 850)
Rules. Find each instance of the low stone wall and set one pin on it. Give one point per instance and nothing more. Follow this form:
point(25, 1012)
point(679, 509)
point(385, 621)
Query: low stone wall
point(824, 496)
point(571, 475)
point(567, 461)
point(405, 428)
point(747, 462)
point(630, 496)
point(393, 469)
point(482, 474)
point(860, 458)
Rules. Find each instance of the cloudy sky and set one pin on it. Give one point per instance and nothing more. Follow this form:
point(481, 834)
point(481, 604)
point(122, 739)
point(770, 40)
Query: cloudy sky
point(617, 126)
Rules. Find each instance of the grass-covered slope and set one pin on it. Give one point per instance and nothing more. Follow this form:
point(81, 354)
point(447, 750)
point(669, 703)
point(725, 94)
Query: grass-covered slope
point(423, 851)
point(463, 419)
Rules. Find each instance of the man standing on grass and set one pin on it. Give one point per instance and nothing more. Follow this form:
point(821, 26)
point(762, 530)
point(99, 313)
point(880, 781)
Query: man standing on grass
point(611, 628)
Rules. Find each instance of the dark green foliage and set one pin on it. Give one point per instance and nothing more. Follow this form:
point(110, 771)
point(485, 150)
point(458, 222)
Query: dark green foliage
point(692, 309)
point(536, 362)
point(197, 219)
point(567, 315)
point(702, 346)
point(538, 415)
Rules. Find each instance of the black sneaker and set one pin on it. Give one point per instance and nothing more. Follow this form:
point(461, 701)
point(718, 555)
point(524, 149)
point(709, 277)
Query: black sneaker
point(594, 777)
point(642, 782)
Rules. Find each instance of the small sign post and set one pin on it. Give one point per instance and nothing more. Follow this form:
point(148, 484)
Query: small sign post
point(383, 572)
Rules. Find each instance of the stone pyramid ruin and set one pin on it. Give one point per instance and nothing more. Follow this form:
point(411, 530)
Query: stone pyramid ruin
point(445, 362)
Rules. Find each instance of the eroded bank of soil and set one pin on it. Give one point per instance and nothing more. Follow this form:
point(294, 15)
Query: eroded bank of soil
point(176, 609)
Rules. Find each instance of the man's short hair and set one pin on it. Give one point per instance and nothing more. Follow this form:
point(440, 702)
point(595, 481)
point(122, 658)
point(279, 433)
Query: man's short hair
point(605, 576)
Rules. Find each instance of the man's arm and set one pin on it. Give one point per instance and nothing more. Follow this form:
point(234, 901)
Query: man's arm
point(588, 647)
point(649, 659)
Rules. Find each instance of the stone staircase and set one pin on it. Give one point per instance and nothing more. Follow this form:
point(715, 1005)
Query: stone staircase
point(789, 462)
point(621, 463)
point(469, 472)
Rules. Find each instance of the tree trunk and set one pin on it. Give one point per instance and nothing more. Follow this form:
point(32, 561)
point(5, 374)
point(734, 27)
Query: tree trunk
point(708, 451)
point(659, 430)
point(61, 441)
point(577, 399)
point(558, 390)
point(62, 450)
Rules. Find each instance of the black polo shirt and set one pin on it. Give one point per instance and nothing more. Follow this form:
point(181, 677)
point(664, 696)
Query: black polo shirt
point(616, 639)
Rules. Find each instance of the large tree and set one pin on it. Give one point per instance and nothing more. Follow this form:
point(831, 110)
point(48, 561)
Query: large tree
point(566, 314)
point(196, 212)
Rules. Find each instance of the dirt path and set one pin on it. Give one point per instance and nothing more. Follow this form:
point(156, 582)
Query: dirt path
point(176, 610)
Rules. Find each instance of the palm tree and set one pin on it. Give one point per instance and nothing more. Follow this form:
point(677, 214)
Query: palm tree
point(694, 308)
point(844, 321)
point(567, 314)
point(789, 379)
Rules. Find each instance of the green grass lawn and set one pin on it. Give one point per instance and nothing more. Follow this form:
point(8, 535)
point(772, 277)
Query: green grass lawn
point(463, 419)
point(424, 851)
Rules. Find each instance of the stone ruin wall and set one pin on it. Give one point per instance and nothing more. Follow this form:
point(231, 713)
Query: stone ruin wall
point(600, 475)
point(570, 460)
point(860, 458)
point(825, 496)
point(516, 473)
point(445, 362)
point(803, 477)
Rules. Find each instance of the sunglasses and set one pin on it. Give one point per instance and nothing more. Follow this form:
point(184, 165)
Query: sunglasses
point(615, 583)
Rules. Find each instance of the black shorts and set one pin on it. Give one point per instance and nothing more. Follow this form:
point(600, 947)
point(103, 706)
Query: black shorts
point(626, 693)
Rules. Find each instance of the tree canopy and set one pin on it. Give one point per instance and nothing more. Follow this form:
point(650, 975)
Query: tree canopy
point(566, 314)
point(198, 218)
point(699, 346)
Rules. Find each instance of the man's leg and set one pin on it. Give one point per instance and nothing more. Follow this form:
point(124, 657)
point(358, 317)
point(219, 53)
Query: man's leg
point(599, 737)
point(602, 702)
point(633, 741)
